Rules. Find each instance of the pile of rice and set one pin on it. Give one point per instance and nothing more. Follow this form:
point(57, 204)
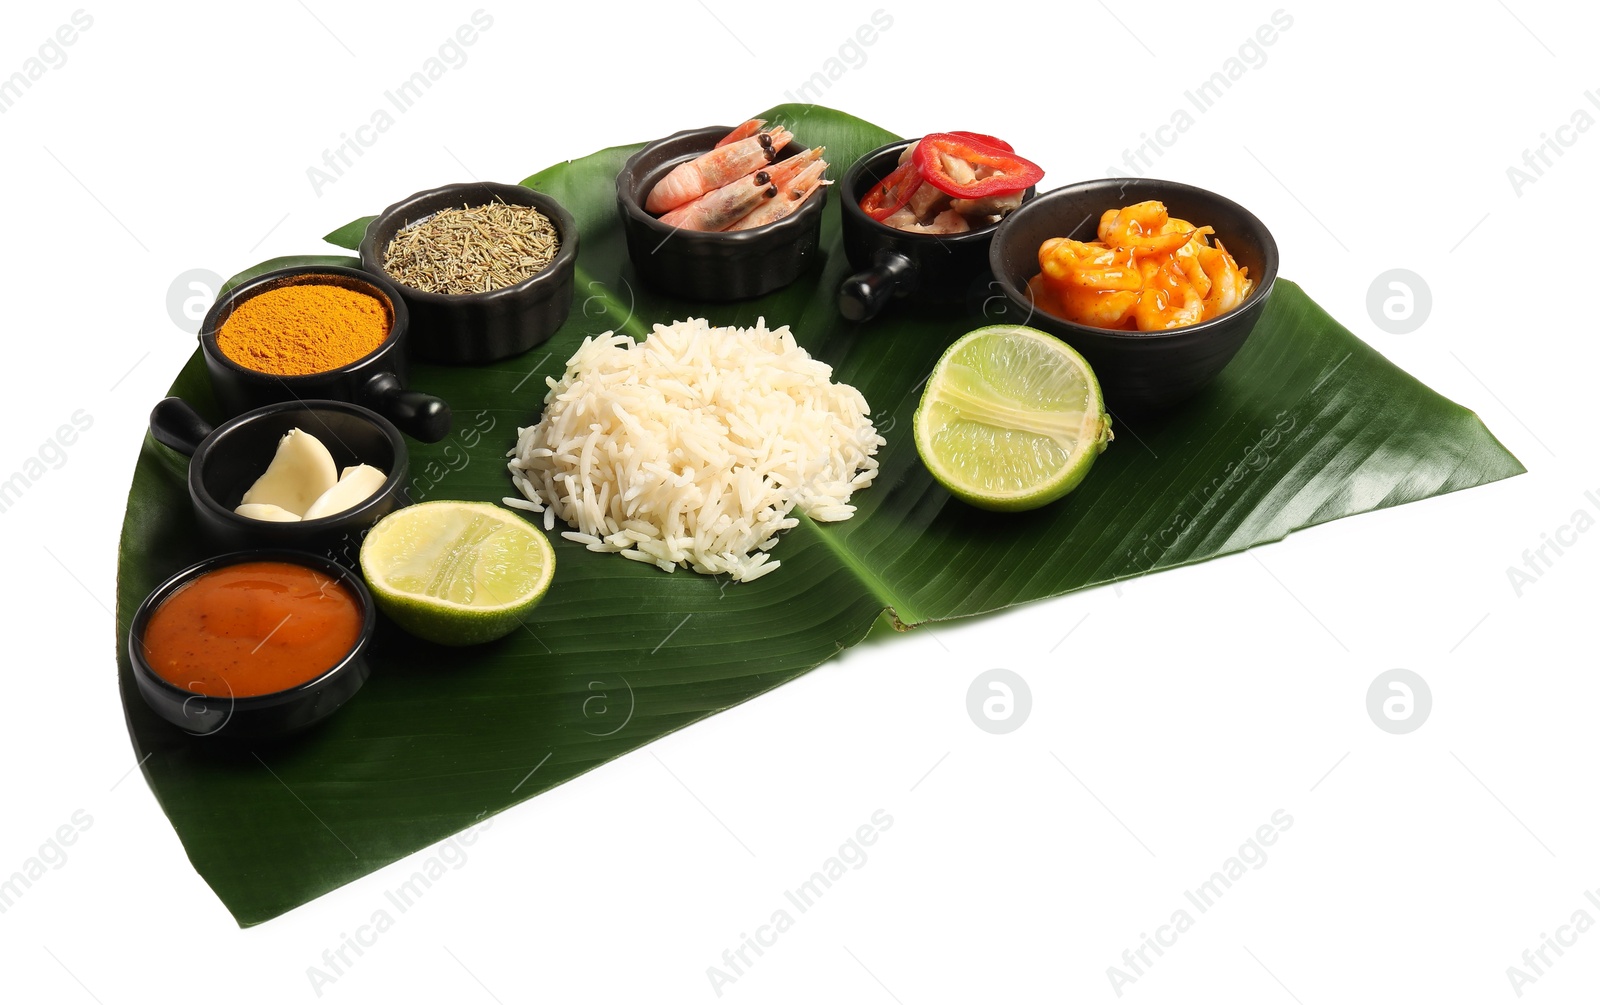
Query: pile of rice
point(691, 447)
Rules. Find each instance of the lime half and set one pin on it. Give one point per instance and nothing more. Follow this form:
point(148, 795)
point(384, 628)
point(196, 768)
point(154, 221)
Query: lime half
point(1011, 418)
point(456, 573)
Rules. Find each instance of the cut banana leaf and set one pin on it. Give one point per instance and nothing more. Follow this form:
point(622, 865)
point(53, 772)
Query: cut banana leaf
point(1308, 424)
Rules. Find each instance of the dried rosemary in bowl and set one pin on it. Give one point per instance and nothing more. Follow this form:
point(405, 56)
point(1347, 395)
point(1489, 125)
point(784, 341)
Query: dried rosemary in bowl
point(473, 249)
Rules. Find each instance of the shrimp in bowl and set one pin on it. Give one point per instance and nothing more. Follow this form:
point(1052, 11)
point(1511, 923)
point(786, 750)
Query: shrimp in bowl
point(1147, 271)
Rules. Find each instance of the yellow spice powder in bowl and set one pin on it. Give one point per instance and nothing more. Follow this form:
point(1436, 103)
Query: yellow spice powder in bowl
point(298, 330)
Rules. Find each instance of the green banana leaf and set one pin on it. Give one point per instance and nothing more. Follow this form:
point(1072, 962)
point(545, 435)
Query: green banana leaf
point(1308, 424)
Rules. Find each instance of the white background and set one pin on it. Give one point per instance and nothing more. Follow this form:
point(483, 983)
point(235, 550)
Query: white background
point(1183, 711)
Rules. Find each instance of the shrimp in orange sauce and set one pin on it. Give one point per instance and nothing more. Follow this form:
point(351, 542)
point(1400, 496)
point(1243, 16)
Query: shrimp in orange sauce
point(1147, 272)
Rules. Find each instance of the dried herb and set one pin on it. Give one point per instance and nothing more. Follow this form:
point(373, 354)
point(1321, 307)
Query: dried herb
point(473, 249)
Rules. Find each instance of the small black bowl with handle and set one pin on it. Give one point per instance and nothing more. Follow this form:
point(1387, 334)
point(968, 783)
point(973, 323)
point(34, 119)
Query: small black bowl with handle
point(892, 263)
point(376, 380)
point(1138, 370)
point(255, 716)
point(472, 328)
point(226, 460)
point(720, 266)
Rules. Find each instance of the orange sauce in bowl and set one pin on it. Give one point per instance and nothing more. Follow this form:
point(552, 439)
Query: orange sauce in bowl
point(252, 629)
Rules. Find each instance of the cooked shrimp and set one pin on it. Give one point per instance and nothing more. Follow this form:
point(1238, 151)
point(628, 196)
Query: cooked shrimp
point(1085, 307)
point(1104, 277)
point(788, 199)
point(1168, 300)
point(1197, 235)
point(1188, 261)
point(1100, 308)
point(1043, 295)
point(1089, 266)
point(1229, 285)
point(743, 131)
point(1174, 225)
point(1147, 272)
point(1141, 228)
point(1141, 218)
point(720, 207)
point(716, 168)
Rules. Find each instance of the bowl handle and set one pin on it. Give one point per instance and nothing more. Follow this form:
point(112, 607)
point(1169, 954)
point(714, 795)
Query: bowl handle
point(866, 293)
point(422, 416)
point(174, 423)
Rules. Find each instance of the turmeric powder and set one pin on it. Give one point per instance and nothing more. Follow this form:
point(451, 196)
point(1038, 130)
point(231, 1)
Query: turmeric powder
point(298, 330)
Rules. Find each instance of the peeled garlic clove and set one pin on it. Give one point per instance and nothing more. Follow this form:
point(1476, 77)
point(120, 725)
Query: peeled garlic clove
point(355, 486)
point(268, 512)
point(300, 472)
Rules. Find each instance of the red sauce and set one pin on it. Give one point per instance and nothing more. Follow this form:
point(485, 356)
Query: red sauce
point(252, 628)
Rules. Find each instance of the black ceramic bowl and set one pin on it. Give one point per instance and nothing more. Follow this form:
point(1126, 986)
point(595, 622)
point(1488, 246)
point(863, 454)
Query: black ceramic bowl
point(892, 263)
point(226, 461)
point(479, 327)
point(1138, 370)
point(257, 715)
point(694, 265)
point(376, 380)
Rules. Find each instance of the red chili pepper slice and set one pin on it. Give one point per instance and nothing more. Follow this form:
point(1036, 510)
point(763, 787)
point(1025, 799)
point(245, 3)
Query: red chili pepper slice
point(1012, 173)
point(993, 141)
point(896, 189)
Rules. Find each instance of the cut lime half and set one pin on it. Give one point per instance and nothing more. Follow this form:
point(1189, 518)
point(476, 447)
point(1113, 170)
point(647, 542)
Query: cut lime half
point(1011, 418)
point(456, 573)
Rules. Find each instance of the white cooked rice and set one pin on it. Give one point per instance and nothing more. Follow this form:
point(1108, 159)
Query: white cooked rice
point(691, 447)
